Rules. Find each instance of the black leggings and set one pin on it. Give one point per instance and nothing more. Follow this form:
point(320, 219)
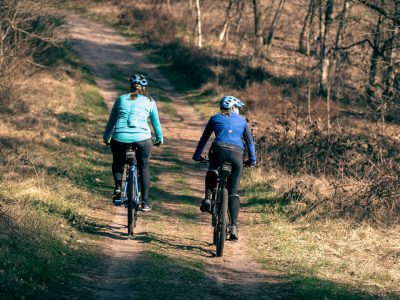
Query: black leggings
point(143, 151)
point(218, 155)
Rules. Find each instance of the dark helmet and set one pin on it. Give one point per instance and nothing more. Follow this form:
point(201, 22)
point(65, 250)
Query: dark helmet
point(139, 79)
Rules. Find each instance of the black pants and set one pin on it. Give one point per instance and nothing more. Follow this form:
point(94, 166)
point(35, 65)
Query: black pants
point(218, 155)
point(143, 151)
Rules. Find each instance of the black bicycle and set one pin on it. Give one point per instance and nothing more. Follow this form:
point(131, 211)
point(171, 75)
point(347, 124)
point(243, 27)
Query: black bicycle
point(219, 208)
point(130, 196)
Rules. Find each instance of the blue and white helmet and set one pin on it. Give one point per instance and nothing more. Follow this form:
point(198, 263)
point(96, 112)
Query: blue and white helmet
point(228, 102)
point(139, 79)
point(239, 103)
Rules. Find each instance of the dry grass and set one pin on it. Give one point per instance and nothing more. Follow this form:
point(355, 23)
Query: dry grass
point(336, 250)
point(49, 153)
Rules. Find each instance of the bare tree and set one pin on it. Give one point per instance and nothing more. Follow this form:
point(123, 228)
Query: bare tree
point(169, 6)
point(308, 21)
point(338, 54)
point(373, 69)
point(342, 23)
point(268, 37)
point(392, 58)
point(198, 25)
point(241, 9)
point(381, 10)
point(258, 30)
point(162, 2)
point(228, 19)
point(234, 10)
point(22, 41)
point(324, 59)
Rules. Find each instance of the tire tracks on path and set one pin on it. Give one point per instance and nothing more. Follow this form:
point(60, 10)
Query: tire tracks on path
point(236, 274)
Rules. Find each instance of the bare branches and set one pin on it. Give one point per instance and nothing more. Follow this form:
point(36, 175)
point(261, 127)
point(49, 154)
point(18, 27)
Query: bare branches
point(380, 10)
point(26, 31)
point(49, 40)
point(354, 45)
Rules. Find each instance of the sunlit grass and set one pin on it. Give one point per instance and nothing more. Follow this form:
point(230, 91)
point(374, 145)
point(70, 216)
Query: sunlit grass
point(325, 257)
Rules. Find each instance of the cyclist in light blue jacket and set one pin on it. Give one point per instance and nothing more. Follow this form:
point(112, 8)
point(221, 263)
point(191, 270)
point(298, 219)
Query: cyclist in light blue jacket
point(128, 126)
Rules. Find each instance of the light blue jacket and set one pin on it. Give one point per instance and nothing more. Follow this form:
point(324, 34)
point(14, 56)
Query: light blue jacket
point(128, 120)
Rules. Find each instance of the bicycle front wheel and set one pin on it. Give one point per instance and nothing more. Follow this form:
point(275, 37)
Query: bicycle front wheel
point(222, 222)
point(131, 205)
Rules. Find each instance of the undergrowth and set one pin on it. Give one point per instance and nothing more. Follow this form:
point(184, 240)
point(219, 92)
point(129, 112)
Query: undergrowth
point(53, 175)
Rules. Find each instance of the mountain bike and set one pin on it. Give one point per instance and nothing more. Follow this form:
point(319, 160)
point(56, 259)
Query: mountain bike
point(219, 208)
point(130, 196)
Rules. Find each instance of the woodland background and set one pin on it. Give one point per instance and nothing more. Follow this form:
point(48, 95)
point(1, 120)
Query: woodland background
point(321, 83)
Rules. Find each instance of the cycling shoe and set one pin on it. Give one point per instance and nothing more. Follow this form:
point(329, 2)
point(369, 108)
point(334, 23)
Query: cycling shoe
point(205, 205)
point(234, 236)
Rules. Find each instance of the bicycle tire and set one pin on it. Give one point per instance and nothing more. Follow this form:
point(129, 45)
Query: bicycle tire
point(215, 236)
point(131, 206)
point(222, 222)
point(136, 203)
point(214, 218)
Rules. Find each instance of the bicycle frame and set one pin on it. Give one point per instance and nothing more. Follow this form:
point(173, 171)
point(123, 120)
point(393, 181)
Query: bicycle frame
point(219, 209)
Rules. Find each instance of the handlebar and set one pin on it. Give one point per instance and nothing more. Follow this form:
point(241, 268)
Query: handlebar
point(156, 143)
point(246, 163)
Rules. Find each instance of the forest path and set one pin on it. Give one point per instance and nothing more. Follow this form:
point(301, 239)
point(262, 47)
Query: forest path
point(171, 255)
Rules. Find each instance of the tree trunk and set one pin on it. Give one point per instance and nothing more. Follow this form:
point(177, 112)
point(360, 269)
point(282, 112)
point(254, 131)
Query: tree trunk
point(228, 18)
point(169, 6)
point(337, 58)
point(373, 69)
point(310, 71)
point(324, 59)
point(268, 37)
point(328, 106)
point(241, 8)
point(307, 22)
point(342, 22)
point(392, 58)
point(199, 34)
point(258, 32)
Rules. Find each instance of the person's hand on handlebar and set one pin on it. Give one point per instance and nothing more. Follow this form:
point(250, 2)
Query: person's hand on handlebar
point(250, 163)
point(157, 143)
point(204, 160)
point(200, 159)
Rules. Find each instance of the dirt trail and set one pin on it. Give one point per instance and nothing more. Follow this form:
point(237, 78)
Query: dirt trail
point(236, 274)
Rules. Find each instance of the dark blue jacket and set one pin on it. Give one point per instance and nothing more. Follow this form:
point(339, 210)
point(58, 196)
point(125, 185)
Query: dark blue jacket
point(229, 130)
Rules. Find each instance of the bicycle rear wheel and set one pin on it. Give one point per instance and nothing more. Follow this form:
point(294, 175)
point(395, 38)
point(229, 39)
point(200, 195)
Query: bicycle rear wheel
point(214, 217)
point(136, 202)
point(222, 222)
point(131, 205)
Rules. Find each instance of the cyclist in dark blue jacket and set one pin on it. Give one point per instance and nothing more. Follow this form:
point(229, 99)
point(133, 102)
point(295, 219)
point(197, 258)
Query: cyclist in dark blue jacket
point(230, 130)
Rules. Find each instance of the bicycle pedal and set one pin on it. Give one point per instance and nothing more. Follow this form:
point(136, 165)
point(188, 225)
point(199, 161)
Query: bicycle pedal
point(233, 239)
